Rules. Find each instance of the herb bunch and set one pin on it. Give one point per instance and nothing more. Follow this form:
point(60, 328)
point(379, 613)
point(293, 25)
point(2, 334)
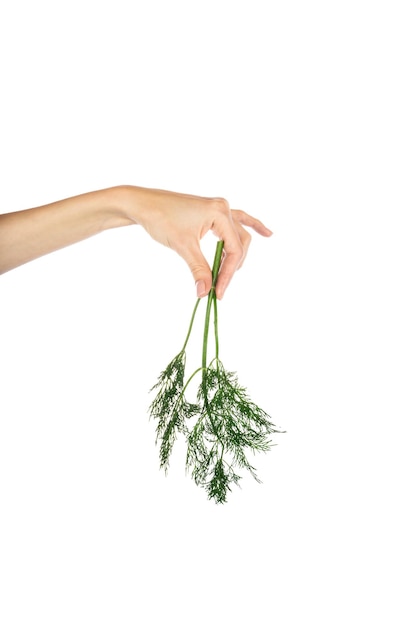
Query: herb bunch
point(222, 426)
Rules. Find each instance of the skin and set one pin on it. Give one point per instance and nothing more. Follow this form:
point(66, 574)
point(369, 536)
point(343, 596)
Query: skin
point(176, 220)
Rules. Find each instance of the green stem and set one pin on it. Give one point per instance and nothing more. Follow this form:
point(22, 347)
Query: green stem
point(191, 324)
point(211, 300)
point(183, 391)
point(215, 323)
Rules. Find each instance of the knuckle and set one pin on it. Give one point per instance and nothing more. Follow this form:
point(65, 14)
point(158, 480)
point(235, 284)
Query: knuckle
point(238, 215)
point(197, 268)
point(239, 251)
point(247, 237)
point(220, 204)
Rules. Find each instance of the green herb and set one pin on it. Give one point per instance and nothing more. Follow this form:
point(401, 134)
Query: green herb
point(222, 426)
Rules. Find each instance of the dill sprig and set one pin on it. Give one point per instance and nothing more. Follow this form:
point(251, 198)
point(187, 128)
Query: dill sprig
point(170, 407)
point(229, 426)
point(222, 427)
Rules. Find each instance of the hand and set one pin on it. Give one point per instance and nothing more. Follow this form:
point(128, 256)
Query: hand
point(179, 221)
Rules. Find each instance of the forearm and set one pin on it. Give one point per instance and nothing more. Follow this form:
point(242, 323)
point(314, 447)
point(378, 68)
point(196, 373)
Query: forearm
point(29, 234)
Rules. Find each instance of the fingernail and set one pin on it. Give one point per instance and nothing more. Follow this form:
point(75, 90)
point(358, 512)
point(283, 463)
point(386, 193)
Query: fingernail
point(200, 288)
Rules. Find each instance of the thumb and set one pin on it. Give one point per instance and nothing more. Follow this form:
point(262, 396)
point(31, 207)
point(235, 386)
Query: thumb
point(201, 271)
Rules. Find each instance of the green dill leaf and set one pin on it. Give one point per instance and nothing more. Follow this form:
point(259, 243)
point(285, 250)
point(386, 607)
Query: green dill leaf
point(222, 427)
point(167, 407)
point(231, 425)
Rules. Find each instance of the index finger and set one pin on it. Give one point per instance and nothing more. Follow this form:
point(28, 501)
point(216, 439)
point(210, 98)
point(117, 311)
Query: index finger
point(234, 250)
point(233, 254)
point(248, 220)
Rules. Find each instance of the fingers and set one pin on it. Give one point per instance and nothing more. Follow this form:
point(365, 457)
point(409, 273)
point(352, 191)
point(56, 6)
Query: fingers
point(247, 220)
point(194, 217)
point(199, 267)
point(236, 244)
point(245, 239)
point(234, 253)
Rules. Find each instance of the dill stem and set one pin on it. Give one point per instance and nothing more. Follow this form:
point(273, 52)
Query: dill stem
point(215, 322)
point(206, 329)
point(211, 300)
point(183, 391)
point(190, 325)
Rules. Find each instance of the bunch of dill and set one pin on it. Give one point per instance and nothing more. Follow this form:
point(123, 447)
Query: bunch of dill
point(222, 426)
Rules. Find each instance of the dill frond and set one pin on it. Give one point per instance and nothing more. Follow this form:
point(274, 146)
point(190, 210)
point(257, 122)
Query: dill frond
point(168, 407)
point(230, 426)
point(222, 427)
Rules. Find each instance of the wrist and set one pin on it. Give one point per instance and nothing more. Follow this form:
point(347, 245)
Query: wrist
point(128, 201)
point(113, 205)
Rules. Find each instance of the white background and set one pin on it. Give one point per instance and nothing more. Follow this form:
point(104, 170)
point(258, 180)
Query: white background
point(305, 115)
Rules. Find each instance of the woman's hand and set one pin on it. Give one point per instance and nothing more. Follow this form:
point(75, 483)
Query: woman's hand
point(179, 221)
